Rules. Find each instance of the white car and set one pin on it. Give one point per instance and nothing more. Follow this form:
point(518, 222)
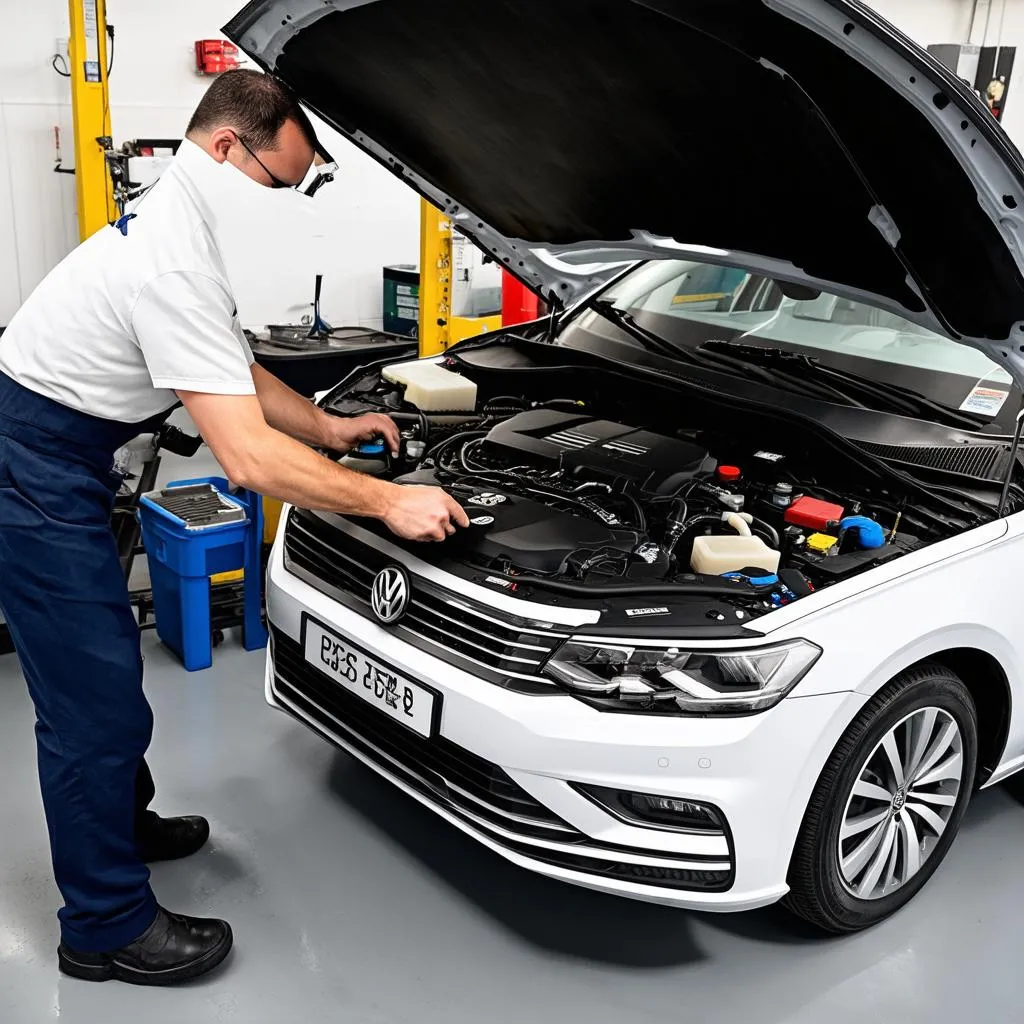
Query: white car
point(736, 618)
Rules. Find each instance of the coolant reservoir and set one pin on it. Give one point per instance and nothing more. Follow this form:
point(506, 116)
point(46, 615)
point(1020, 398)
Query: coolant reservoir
point(432, 388)
point(713, 556)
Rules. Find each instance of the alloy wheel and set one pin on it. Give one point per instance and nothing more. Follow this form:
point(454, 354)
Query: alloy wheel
point(904, 796)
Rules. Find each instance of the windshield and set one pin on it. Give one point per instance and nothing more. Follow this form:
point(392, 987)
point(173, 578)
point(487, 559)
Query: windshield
point(688, 304)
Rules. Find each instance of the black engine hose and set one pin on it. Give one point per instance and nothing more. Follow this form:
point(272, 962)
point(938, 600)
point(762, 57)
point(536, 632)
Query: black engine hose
point(704, 519)
point(678, 528)
point(509, 400)
point(767, 528)
point(641, 519)
point(465, 435)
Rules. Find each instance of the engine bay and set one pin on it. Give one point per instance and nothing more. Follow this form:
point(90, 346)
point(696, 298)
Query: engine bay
point(601, 492)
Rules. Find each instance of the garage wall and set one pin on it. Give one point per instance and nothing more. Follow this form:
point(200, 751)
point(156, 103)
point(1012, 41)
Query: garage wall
point(367, 218)
point(36, 205)
point(928, 21)
point(995, 23)
point(1012, 35)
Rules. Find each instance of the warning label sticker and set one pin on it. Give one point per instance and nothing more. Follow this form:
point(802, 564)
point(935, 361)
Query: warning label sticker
point(985, 401)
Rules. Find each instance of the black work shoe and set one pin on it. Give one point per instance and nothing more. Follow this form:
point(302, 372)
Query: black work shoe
point(174, 948)
point(171, 838)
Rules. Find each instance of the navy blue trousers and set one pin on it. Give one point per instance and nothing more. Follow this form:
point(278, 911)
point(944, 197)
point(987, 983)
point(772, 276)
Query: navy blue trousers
point(65, 600)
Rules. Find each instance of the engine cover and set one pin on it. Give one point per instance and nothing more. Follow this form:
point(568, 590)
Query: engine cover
point(529, 534)
point(613, 451)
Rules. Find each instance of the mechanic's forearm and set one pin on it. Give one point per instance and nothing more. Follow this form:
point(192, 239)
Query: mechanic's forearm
point(263, 459)
point(286, 410)
point(281, 467)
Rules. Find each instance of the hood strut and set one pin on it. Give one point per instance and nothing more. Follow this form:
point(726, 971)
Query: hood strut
point(879, 217)
point(1014, 448)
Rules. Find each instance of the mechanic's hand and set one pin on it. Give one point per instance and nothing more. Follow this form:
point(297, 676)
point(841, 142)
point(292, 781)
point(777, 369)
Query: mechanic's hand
point(424, 513)
point(344, 433)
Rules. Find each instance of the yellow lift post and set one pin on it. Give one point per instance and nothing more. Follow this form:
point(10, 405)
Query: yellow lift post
point(438, 329)
point(90, 111)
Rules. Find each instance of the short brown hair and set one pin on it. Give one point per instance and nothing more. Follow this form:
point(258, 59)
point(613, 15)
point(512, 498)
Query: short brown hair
point(254, 104)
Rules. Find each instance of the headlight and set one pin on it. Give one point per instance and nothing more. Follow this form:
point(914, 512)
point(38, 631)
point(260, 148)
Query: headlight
point(671, 680)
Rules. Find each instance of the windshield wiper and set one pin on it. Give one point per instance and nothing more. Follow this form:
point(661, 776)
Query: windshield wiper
point(791, 371)
point(714, 360)
point(607, 309)
point(851, 388)
point(775, 376)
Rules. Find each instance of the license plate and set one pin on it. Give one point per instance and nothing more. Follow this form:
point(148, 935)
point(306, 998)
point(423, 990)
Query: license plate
point(414, 705)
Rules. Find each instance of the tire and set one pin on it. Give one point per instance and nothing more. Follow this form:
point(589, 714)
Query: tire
point(837, 894)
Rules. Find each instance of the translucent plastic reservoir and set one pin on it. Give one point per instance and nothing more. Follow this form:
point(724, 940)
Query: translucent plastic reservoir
point(716, 555)
point(432, 388)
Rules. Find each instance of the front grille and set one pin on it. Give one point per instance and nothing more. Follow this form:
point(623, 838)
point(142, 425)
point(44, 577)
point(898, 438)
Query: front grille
point(473, 789)
point(499, 649)
point(977, 461)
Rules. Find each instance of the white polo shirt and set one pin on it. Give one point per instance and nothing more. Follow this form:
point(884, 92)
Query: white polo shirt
point(132, 315)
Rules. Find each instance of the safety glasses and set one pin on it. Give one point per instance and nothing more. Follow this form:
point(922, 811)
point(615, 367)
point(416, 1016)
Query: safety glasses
point(324, 170)
point(275, 181)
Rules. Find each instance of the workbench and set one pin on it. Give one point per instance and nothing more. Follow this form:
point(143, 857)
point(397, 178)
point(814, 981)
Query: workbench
point(309, 365)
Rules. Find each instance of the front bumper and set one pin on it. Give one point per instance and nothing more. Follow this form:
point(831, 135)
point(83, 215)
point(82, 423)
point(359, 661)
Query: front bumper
point(503, 766)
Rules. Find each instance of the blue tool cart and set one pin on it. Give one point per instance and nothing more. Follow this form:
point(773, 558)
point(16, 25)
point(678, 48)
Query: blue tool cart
point(193, 530)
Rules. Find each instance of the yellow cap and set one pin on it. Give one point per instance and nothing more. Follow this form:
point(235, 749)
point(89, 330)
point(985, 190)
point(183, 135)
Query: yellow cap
point(821, 542)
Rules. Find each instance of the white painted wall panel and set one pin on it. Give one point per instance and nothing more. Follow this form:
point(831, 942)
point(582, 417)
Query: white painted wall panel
point(368, 219)
point(928, 21)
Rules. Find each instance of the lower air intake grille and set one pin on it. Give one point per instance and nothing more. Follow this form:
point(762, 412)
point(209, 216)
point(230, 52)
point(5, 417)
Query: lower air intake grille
point(447, 772)
point(478, 792)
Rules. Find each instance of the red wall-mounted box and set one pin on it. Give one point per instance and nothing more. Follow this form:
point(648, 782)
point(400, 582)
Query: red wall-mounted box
point(214, 56)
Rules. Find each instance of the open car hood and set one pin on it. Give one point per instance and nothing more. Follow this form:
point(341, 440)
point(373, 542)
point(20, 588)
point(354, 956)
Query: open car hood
point(804, 139)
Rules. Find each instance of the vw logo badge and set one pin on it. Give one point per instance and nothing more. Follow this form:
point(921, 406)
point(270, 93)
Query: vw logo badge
point(389, 596)
point(488, 499)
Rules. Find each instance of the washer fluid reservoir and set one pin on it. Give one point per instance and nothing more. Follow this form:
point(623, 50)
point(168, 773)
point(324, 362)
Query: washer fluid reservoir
point(715, 555)
point(432, 388)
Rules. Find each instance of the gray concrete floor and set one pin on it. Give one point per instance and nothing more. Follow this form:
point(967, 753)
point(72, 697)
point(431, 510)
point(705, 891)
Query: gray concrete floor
point(350, 902)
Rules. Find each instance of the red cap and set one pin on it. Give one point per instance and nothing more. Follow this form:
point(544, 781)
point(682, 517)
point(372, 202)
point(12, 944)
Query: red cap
point(729, 474)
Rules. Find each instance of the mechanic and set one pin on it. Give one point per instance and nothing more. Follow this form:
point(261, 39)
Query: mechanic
point(136, 319)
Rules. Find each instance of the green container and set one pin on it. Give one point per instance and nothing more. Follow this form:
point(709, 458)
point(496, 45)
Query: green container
point(402, 300)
